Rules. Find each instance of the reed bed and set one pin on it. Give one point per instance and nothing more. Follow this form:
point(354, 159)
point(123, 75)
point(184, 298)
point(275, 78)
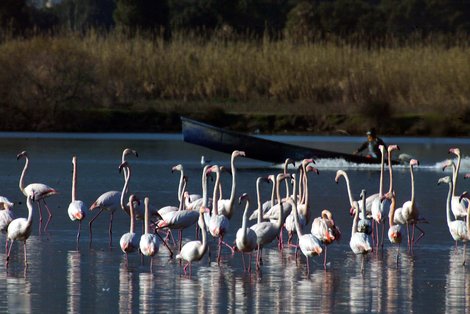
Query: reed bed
point(71, 71)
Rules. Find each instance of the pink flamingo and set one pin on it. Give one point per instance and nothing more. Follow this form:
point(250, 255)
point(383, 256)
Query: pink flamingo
point(76, 209)
point(225, 206)
point(309, 244)
point(324, 229)
point(42, 191)
point(6, 216)
point(195, 250)
point(148, 242)
point(360, 242)
point(20, 228)
point(266, 231)
point(394, 231)
point(128, 241)
point(245, 239)
point(218, 223)
point(458, 208)
point(458, 228)
point(409, 213)
point(192, 197)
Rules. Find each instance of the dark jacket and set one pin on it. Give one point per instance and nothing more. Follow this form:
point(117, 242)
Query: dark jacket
point(373, 147)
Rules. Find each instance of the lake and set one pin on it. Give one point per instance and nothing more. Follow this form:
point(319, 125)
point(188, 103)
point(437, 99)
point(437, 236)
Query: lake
point(63, 278)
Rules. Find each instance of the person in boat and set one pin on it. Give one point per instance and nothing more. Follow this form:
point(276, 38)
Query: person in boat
point(372, 144)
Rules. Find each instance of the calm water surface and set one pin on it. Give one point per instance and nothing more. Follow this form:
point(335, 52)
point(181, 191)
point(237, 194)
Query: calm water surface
point(62, 278)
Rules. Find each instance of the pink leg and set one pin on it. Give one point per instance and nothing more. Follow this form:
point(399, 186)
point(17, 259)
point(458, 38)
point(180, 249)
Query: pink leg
point(9, 251)
point(308, 266)
point(25, 255)
point(40, 217)
point(49, 213)
point(78, 233)
point(421, 235)
point(324, 258)
point(243, 260)
point(91, 222)
point(111, 230)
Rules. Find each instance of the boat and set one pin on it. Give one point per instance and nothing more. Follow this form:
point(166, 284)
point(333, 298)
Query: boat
point(227, 141)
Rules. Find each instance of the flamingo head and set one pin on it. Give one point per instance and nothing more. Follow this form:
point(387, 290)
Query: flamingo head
point(414, 162)
point(391, 148)
point(237, 153)
point(178, 167)
point(447, 163)
point(128, 151)
point(446, 179)
point(312, 169)
point(22, 154)
point(243, 197)
point(307, 161)
point(455, 151)
point(340, 173)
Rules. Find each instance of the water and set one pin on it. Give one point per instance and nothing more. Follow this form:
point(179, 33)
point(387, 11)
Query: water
point(62, 278)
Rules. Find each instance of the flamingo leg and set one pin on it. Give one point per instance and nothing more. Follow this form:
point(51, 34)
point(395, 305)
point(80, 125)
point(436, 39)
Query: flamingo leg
point(219, 250)
point(78, 233)
point(382, 240)
point(243, 259)
point(111, 231)
point(49, 213)
point(6, 246)
point(165, 244)
point(40, 217)
point(464, 252)
point(258, 258)
point(324, 258)
point(249, 263)
point(91, 222)
point(180, 239)
point(9, 251)
point(308, 267)
point(421, 235)
point(398, 253)
point(25, 255)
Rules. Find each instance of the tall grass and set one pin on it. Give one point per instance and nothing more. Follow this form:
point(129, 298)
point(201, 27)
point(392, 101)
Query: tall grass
point(70, 71)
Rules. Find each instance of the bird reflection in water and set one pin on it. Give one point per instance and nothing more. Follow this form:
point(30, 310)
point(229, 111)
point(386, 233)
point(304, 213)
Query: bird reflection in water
point(126, 287)
point(73, 282)
point(457, 285)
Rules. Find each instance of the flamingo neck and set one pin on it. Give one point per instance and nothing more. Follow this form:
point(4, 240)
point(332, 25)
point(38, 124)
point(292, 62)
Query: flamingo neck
point(23, 174)
point(74, 180)
point(131, 212)
point(204, 187)
point(382, 166)
point(203, 248)
point(390, 172)
point(124, 189)
point(456, 174)
point(245, 218)
point(215, 201)
point(279, 221)
point(29, 204)
point(273, 193)
point(180, 185)
point(234, 187)
point(391, 216)
point(354, 225)
point(146, 218)
point(412, 186)
point(258, 197)
point(351, 200)
point(449, 203)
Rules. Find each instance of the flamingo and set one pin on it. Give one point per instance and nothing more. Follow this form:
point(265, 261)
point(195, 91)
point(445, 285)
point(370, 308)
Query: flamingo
point(266, 231)
point(20, 228)
point(128, 241)
point(379, 208)
point(458, 228)
point(195, 250)
point(225, 206)
point(303, 205)
point(218, 223)
point(409, 213)
point(76, 209)
point(324, 229)
point(245, 239)
point(309, 244)
point(458, 208)
point(109, 201)
point(394, 231)
point(360, 241)
point(148, 242)
point(125, 152)
point(6, 216)
point(180, 219)
point(42, 191)
point(364, 225)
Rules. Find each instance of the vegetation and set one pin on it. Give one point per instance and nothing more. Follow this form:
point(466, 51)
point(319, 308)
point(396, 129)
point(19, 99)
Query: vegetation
point(316, 66)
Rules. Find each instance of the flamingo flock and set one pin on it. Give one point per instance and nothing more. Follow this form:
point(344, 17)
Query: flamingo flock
point(290, 210)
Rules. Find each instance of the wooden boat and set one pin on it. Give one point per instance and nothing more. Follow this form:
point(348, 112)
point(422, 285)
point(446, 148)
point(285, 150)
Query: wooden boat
point(227, 141)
